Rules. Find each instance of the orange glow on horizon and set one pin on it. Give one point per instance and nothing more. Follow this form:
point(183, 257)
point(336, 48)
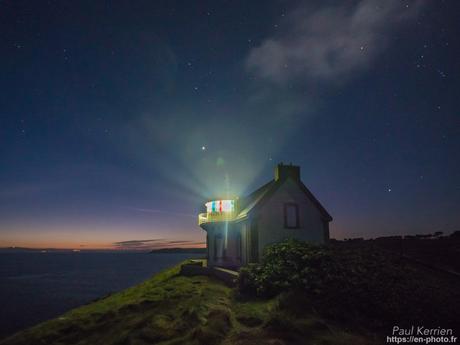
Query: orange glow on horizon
point(93, 246)
point(97, 237)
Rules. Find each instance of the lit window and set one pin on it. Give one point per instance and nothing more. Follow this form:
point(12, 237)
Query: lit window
point(291, 215)
point(227, 205)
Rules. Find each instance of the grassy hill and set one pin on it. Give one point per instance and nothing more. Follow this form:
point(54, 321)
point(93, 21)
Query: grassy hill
point(173, 309)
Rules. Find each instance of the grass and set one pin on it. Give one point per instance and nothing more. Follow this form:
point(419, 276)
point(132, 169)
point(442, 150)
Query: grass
point(172, 309)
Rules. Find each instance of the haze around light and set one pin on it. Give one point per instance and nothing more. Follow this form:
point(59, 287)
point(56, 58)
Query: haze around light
point(132, 123)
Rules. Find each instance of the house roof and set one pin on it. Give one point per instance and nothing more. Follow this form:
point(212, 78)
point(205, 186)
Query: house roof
point(250, 201)
point(256, 199)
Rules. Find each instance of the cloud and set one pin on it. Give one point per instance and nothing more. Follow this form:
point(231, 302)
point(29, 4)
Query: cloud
point(135, 243)
point(330, 42)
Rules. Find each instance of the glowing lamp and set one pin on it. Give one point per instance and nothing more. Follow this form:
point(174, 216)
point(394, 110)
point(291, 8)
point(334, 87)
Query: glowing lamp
point(220, 206)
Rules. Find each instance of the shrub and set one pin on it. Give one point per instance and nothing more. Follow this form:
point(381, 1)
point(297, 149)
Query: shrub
point(363, 284)
point(286, 265)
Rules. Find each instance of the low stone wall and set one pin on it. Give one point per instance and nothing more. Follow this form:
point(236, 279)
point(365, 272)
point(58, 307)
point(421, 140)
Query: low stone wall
point(194, 268)
point(229, 277)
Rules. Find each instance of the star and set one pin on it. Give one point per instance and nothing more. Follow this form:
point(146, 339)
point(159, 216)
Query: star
point(203, 148)
point(441, 73)
point(389, 190)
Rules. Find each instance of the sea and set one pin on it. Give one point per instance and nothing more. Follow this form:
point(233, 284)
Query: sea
point(36, 286)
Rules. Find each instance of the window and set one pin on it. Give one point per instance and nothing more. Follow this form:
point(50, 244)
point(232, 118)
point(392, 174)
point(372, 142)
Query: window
point(291, 216)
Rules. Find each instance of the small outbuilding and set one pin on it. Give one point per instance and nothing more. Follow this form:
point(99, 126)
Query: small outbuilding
point(238, 230)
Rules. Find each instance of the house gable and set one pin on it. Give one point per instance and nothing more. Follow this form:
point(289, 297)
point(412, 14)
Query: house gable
point(270, 216)
point(263, 195)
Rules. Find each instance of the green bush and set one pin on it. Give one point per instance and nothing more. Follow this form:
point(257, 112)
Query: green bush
point(286, 265)
point(363, 284)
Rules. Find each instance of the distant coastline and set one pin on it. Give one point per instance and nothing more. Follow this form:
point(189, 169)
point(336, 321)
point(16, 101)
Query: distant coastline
point(179, 251)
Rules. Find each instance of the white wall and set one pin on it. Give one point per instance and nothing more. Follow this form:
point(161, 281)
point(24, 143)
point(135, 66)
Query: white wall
point(229, 243)
point(270, 218)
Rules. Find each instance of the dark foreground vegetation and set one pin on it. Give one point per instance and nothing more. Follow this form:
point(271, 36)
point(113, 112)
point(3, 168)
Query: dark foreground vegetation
point(173, 309)
point(434, 250)
point(360, 286)
point(341, 294)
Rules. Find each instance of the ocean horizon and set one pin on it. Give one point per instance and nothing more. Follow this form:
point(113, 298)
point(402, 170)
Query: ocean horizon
point(36, 286)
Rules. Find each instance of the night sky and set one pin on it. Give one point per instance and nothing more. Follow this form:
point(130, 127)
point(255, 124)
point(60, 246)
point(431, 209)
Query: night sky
point(119, 119)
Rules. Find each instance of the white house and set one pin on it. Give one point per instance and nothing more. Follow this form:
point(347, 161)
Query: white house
point(238, 230)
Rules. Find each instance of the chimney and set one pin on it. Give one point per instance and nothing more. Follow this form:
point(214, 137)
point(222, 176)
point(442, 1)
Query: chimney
point(284, 171)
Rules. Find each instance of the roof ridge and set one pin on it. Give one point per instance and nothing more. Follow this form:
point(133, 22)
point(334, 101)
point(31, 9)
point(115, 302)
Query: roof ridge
point(259, 195)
